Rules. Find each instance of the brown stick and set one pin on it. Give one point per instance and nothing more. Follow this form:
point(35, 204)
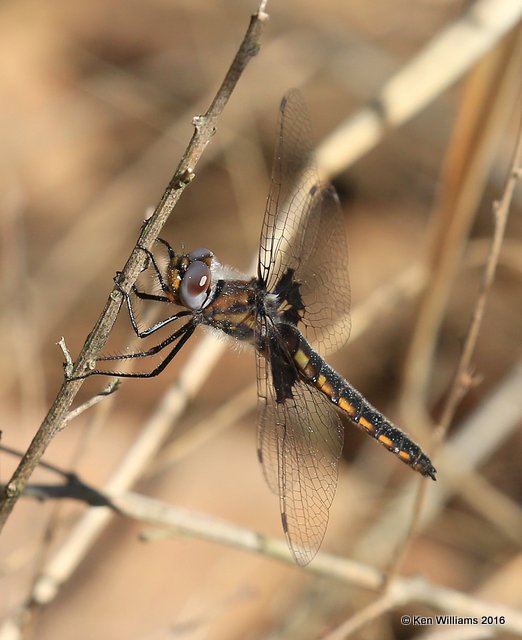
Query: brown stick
point(170, 521)
point(463, 377)
point(204, 128)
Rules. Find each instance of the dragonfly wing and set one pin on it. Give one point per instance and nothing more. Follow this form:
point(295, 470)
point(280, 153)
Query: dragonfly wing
point(323, 274)
point(300, 441)
point(268, 436)
point(303, 234)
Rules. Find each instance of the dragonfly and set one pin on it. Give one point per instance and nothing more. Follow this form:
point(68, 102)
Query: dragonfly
point(295, 312)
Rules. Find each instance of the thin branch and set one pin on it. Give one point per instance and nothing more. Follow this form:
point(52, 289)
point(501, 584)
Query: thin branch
point(501, 212)
point(111, 387)
point(204, 129)
point(489, 92)
point(177, 521)
point(42, 464)
point(73, 488)
point(463, 378)
point(104, 393)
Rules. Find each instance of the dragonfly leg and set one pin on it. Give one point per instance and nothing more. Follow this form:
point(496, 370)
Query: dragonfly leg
point(182, 335)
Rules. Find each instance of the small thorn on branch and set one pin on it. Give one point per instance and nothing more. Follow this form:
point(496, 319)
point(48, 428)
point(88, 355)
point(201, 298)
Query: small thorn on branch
point(68, 364)
point(261, 12)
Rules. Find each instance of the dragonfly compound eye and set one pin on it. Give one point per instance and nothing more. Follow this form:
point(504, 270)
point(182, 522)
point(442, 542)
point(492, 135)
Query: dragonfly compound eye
point(203, 255)
point(195, 285)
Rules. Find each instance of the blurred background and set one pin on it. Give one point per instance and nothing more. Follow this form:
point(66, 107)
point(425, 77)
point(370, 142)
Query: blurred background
point(96, 106)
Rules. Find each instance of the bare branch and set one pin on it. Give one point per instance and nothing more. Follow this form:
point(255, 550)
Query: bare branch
point(501, 212)
point(175, 521)
point(109, 389)
point(204, 129)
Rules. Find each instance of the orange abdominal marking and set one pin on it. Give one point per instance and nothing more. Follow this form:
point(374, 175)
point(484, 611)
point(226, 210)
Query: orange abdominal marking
point(346, 406)
point(326, 387)
point(386, 442)
point(367, 425)
point(404, 455)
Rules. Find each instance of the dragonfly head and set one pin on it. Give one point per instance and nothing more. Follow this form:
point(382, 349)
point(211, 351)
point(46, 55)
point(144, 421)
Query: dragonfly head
point(190, 276)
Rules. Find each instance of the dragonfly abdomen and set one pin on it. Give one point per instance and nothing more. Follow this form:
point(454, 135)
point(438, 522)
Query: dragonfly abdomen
point(351, 402)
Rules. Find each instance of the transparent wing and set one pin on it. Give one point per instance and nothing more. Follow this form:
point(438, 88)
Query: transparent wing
point(300, 442)
point(323, 274)
point(303, 231)
point(268, 442)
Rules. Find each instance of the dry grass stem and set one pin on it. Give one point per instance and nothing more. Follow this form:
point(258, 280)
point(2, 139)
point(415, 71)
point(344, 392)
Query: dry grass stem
point(493, 86)
point(442, 62)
